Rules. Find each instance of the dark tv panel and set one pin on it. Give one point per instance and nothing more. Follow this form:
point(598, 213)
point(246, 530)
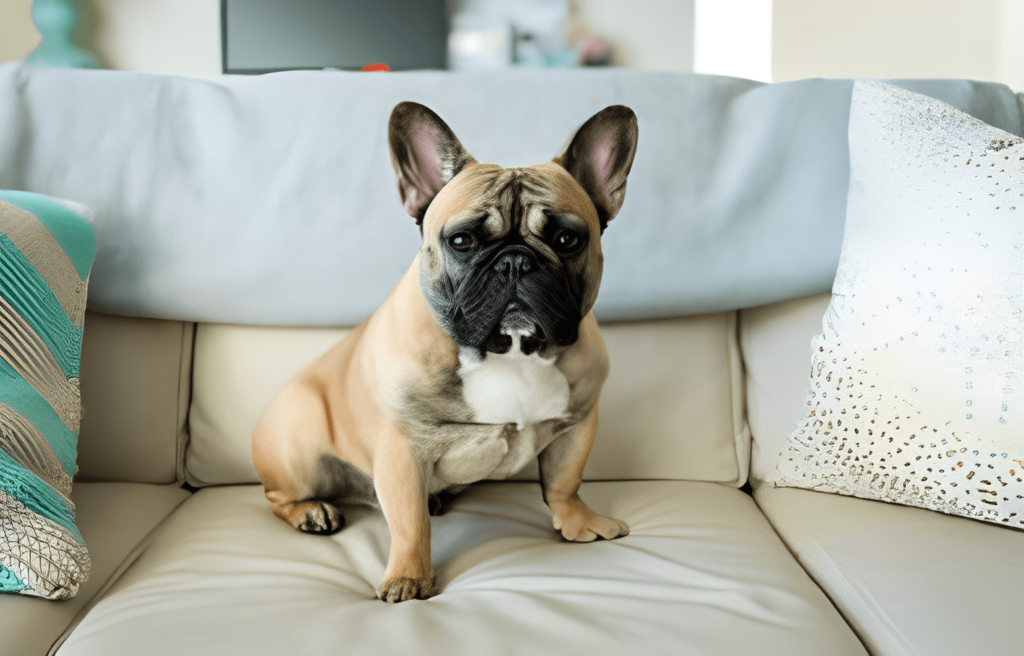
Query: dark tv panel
point(261, 36)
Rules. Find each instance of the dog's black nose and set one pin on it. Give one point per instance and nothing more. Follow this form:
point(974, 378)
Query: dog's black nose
point(513, 264)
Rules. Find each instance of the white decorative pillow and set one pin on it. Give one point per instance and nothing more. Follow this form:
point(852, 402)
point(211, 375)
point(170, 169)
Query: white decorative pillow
point(917, 382)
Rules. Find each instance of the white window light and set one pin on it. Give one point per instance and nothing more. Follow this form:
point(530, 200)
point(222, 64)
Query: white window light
point(733, 37)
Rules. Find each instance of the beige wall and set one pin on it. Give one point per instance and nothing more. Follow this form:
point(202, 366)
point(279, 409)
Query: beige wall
point(1011, 52)
point(892, 38)
point(18, 36)
point(979, 39)
point(176, 37)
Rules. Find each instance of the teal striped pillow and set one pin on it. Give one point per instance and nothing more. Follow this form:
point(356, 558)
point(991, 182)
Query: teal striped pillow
point(46, 252)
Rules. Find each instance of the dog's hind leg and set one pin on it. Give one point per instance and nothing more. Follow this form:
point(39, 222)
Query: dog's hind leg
point(306, 485)
point(438, 504)
point(315, 516)
point(337, 484)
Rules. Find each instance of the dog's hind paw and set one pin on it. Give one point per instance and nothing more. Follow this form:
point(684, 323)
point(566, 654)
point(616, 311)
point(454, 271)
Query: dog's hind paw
point(319, 518)
point(439, 504)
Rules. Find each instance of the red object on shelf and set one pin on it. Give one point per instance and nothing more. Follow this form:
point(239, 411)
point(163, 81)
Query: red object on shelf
point(376, 68)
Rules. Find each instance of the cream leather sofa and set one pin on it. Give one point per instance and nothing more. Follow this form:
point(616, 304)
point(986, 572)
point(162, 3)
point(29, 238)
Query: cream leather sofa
point(187, 557)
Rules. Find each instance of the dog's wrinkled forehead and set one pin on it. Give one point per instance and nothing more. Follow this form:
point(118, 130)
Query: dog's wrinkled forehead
point(500, 202)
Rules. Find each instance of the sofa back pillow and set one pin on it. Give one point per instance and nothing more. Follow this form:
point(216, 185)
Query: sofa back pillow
point(136, 384)
point(46, 252)
point(671, 409)
point(916, 394)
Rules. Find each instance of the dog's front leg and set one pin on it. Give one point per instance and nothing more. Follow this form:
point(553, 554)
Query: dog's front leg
point(561, 474)
point(403, 499)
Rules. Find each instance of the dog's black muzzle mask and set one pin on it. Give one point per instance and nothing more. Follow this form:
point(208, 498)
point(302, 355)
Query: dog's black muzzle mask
point(506, 287)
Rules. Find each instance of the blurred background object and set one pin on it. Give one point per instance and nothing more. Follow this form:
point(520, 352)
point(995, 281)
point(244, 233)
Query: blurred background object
point(770, 40)
point(481, 36)
point(491, 34)
point(259, 36)
point(57, 24)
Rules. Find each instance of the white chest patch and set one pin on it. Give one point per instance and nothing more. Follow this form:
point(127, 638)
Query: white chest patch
point(512, 387)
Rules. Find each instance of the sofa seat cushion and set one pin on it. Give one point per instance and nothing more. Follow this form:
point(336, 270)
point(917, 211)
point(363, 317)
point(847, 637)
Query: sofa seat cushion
point(115, 519)
point(701, 572)
point(909, 581)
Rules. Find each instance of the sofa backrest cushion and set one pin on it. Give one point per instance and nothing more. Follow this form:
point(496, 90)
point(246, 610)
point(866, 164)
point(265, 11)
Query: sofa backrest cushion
point(776, 344)
point(672, 407)
point(231, 201)
point(135, 381)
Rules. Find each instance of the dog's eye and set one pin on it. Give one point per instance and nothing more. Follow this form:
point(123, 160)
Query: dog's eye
point(462, 241)
point(566, 241)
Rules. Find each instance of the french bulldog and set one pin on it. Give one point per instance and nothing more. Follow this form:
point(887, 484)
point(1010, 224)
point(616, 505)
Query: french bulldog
point(485, 356)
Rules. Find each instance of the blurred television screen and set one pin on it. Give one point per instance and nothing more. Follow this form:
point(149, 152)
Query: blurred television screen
point(260, 36)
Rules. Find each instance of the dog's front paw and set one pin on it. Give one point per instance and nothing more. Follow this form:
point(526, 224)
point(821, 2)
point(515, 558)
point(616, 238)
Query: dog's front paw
point(578, 523)
point(402, 588)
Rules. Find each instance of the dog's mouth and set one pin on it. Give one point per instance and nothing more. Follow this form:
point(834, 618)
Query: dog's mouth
point(514, 321)
point(515, 327)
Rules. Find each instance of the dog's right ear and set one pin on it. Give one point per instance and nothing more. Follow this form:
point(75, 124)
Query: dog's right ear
point(426, 154)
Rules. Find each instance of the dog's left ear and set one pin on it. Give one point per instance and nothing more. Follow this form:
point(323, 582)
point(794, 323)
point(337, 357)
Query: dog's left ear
point(599, 158)
point(426, 155)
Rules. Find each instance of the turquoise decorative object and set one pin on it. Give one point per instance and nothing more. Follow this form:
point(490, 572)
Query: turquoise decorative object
point(56, 21)
point(46, 252)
